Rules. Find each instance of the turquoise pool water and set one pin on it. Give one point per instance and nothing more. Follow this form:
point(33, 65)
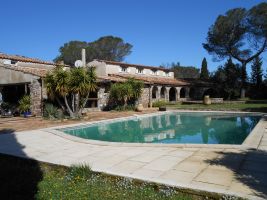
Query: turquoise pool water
point(172, 128)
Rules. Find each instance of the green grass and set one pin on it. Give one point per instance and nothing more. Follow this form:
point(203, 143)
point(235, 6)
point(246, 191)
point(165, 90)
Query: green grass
point(250, 107)
point(27, 179)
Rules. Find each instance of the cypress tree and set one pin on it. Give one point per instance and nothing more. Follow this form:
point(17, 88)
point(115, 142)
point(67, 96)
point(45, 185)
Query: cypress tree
point(204, 74)
point(256, 72)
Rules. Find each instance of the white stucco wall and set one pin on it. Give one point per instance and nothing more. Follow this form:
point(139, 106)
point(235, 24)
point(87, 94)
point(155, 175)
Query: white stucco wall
point(103, 69)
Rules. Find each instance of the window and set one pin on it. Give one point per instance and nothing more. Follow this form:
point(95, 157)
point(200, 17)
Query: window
point(155, 72)
point(139, 71)
point(124, 69)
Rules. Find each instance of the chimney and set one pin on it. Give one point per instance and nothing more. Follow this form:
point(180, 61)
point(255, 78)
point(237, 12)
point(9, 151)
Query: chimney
point(84, 57)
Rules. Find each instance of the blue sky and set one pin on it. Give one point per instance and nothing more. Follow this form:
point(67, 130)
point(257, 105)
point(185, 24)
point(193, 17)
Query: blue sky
point(161, 31)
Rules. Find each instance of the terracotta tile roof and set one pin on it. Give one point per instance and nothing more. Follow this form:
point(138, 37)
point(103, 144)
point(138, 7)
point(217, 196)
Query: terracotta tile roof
point(41, 72)
point(145, 79)
point(132, 65)
point(24, 59)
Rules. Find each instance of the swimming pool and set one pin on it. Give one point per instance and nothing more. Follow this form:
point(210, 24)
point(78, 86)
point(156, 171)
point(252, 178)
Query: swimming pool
point(171, 128)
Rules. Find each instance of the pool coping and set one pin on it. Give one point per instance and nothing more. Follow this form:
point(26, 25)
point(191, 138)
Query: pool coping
point(252, 141)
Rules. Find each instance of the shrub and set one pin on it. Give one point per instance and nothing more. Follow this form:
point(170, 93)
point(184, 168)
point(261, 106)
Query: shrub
point(77, 172)
point(125, 108)
point(159, 103)
point(25, 103)
point(126, 93)
point(52, 112)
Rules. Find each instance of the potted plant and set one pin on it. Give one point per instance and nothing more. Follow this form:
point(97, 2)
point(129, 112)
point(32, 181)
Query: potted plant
point(25, 105)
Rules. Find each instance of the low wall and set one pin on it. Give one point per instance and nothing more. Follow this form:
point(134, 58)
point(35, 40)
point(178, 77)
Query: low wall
point(216, 100)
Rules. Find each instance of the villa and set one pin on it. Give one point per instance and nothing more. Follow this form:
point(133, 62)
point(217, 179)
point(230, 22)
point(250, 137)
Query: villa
point(20, 75)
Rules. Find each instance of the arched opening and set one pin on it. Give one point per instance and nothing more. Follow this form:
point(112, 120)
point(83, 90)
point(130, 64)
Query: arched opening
point(182, 93)
point(163, 93)
point(211, 92)
point(192, 93)
point(154, 92)
point(92, 100)
point(172, 94)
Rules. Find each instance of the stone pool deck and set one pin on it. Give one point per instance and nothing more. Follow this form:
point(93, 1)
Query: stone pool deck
point(234, 171)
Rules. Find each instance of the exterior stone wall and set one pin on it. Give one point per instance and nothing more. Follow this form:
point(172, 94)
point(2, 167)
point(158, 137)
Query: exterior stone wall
point(36, 97)
point(146, 97)
point(102, 98)
point(216, 100)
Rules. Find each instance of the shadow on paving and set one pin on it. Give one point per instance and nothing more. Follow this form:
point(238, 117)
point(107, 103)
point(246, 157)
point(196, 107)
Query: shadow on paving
point(6, 131)
point(19, 177)
point(250, 168)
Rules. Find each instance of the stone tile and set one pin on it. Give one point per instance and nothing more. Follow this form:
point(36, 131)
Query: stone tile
point(208, 186)
point(190, 166)
point(253, 178)
point(145, 157)
point(181, 153)
point(133, 151)
point(215, 176)
point(126, 167)
point(162, 164)
point(240, 187)
point(256, 166)
point(207, 154)
point(100, 164)
point(148, 173)
point(175, 176)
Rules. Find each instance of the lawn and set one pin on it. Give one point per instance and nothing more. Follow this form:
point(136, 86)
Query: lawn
point(27, 179)
point(250, 107)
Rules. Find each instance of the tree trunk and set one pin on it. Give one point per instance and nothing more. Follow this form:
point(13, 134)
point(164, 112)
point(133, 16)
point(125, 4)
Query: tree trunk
point(243, 93)
point(72, 101)
point(60, 104)
point(77, 104)
point(85, 101)
point(244, 80)
point(68, 107)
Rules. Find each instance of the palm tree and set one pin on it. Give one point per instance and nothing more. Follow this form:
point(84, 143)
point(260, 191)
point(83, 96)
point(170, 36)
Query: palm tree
point(71, 85)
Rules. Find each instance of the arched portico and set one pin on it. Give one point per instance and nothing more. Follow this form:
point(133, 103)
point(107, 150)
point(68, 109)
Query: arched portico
point(172, 94)
point(192, 93)
point(182, 92)
point(163, 92)
point(154, 92)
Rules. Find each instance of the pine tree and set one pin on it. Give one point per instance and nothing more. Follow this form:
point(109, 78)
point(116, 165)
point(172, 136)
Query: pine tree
point(204, 74)
point(256, 72)
point(233, 79)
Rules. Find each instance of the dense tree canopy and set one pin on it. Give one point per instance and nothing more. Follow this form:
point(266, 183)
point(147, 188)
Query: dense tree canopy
point(105, 48)
point(256, 72)
point(122, 94)
point(183, 72)
point(204, 73)
point(228, 80)
point(240, 34)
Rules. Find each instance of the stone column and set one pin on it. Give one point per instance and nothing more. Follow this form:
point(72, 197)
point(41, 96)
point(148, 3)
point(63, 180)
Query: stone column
point(36, 97)
point(102, 98)
point(1, 96)
point(158, 93)
point(187, 90)
point(178, 93)
point(167, 93)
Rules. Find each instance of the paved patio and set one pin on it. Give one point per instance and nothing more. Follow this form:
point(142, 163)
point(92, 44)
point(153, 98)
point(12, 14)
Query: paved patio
point(230, 169)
